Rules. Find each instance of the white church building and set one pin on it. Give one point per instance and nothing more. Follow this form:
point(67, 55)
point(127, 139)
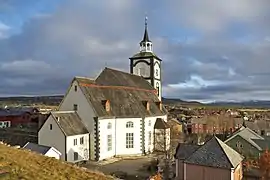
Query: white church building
point(120, 110)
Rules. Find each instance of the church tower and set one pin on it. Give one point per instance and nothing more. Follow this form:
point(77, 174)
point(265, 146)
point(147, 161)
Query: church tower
point(146, 64)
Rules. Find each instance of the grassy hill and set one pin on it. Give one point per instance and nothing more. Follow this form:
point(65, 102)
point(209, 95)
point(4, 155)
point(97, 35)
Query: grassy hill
point(25, 165)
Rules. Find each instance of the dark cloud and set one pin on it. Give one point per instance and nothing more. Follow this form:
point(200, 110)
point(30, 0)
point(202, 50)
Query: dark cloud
point(228, 51)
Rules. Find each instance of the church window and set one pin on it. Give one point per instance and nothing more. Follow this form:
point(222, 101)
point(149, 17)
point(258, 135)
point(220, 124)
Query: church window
point(109, 142)
point(75, 88)
point(129, 124)
point(149, 138)
point(109, 126)
point(156, 72)
point(129, 140)
point(74, 142)
point(149, 122)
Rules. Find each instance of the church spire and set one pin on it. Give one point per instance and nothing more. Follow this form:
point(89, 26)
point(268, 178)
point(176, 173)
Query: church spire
point(146, 44)
point(145, 36)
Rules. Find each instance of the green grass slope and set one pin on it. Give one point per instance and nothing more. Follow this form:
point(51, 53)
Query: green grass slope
point(19, 164)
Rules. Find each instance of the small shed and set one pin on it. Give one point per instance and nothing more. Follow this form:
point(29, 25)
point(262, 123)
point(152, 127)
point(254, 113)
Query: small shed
point(44, 150)
point(161, 135)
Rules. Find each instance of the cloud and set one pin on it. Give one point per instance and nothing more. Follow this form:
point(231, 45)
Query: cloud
point(211, 50)
point(3, 30)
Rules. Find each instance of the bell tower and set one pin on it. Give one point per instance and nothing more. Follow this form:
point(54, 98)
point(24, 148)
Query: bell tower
point(146, 64)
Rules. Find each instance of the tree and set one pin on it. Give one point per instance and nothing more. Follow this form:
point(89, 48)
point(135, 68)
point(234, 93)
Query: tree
point(156, 177)
point(264, 164)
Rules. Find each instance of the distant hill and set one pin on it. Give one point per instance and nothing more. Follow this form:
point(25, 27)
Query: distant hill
point(244, 104)
point(180, 102)
point(55, 101)
point(22, 164)
point(25, 100)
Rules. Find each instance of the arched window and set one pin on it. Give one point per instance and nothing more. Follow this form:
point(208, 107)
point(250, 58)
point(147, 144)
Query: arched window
point(129, 124)
point(109, 126)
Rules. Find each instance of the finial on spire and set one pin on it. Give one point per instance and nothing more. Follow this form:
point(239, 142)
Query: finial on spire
point(145, 21)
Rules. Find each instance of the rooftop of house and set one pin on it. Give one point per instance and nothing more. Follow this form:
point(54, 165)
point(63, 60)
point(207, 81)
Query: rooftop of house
point(125, 93)
point(69, 122)
point(183, 150)
point(37, 148)
point(215, 153)
point(247, 134)
point(17, 111)
point(161, 124)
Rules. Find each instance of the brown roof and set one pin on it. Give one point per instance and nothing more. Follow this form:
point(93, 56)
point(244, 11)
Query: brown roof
point(125, 92)
point(160, 124)
point(69, 122)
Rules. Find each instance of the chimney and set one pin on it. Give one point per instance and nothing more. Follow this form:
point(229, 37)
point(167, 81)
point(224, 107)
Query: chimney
point(159, 105)
point(106, 105)
point(146, 105)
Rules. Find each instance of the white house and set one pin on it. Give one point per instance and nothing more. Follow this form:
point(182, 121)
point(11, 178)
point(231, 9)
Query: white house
point(119, 109)
point(44, 150)
point(65, 131)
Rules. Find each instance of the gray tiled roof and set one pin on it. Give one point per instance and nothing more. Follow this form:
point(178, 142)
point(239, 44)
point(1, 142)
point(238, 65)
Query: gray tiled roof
point(248, 135)
point(125, 92)
point(215, 153)
point(184, 150)
point(69, 122)
point(37, 148)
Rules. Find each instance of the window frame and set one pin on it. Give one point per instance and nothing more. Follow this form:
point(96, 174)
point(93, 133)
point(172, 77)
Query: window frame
point(75, 142)
point(75, 156)
point(129, 124)
point(75, 88)
point(50, 127)
point(129, 140)
point(149, 138)
point(75, 107)
point(81, 140)
point(109, 125)
point(109, 142)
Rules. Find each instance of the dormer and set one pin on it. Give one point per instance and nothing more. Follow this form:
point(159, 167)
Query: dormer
point(159, 105)
point(106, 105)
point(146, 105)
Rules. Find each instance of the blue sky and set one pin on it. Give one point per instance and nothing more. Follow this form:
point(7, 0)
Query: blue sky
point(211, 49)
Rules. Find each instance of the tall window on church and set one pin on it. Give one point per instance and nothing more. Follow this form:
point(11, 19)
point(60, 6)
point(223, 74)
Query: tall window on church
point(156, 72)
point(157, 86)
point(129, 140)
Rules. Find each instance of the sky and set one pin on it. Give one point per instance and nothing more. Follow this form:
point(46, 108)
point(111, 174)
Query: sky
point(212, 50)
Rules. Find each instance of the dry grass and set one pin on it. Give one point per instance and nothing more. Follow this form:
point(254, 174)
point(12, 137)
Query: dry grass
point(25, 165)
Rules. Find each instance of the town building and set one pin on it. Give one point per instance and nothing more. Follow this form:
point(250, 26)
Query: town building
point(248, 143)
point(44, 150)
point(65, 131)
point(16, 116)
point(120, 110)
point(213, 160)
